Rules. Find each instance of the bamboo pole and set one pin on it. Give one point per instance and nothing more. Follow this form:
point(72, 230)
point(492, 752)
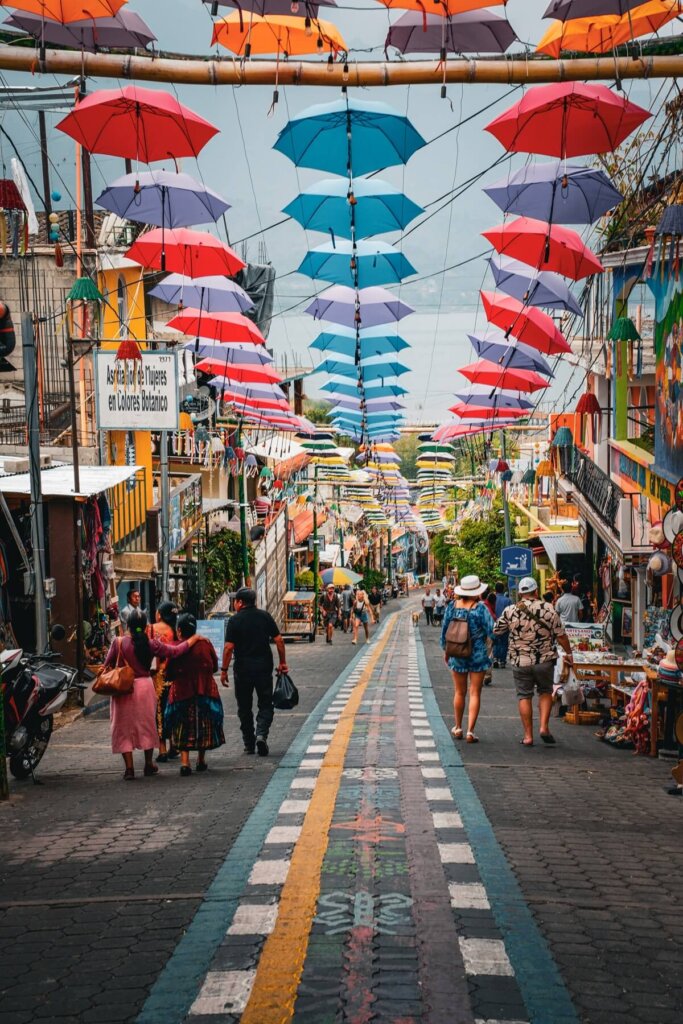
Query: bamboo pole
point(195, 70)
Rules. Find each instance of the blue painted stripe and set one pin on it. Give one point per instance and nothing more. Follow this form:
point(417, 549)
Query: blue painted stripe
point(538, 977)
point(177, 986)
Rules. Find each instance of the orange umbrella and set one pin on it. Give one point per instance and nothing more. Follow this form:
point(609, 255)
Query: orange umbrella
point(600, 34)
point(67, 10)
point(249, 34)
point(443, 7)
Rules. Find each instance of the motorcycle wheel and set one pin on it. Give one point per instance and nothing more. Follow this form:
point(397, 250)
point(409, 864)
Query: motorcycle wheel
point(27, 760)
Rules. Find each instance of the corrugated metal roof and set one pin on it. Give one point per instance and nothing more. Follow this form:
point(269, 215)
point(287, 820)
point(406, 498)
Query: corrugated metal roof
point(58, 481)
point(561, 544)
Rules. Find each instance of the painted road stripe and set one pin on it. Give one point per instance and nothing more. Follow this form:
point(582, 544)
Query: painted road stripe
point(485, 956)
point(253, 919)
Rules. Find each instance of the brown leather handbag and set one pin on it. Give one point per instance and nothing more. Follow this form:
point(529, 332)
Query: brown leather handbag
point(117, 681)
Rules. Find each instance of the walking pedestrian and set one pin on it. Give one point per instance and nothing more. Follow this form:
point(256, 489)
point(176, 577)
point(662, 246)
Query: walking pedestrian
point(249, 634)
point(133, 598)
point(346, 607)
point(468, 672)
point(360, 615)
point(330, 610)
point(134, 715)
point(534, 629)
point(428, 606)
point(163, 629)
point(193, 719)
point(569, 606)
point(439, 607)
point(375, 600)
point(500, 643)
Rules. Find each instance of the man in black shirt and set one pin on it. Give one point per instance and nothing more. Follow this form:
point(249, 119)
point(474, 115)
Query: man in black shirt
point(248, 636)
point(375, 599)
point(329, 608)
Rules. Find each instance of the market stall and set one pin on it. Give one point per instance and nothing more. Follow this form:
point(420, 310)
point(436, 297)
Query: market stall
point(299, 615)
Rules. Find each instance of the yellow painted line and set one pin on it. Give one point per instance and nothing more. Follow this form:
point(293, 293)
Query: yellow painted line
point(282, 961)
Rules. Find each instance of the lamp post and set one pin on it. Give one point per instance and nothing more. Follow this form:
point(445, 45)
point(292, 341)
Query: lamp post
point(316, 553)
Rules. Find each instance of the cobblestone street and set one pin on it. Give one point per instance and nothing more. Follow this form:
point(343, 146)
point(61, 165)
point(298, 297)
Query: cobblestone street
point(369, 869)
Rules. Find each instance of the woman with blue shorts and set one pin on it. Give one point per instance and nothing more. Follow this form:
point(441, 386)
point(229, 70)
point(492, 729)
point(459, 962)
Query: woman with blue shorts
point(471, 670)
point(361, 605)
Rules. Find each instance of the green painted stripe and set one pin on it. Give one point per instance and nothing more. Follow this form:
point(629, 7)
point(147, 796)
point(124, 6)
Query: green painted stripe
point(538, 977)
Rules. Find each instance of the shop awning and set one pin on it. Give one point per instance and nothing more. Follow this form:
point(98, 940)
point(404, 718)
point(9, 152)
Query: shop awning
point(58, 481)
point(329, 555)
point(302, 525)
point(561, 544)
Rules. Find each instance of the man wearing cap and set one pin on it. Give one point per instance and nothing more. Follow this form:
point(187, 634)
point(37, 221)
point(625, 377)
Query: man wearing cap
point(330, 610)
point(534, 629)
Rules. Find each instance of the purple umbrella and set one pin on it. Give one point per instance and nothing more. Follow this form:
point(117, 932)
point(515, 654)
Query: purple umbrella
point(556, 192)
point(542, 289)
point(265, 7)
point(474, 32)
point(210, 294)
point(235, 353)
point(375, 306)
point(126, 31)
point(485, 397)
point(495, 347)
point(267, 391)
point(566, 9)
point(373, 406)
point(162, 198)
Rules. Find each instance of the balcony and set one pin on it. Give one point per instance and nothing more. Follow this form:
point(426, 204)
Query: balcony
point(603, 496)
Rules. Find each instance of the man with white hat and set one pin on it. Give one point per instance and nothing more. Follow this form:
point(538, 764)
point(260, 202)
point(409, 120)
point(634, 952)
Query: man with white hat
point(534, 629)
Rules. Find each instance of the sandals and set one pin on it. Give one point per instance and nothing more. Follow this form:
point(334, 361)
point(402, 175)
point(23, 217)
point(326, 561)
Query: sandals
point(548, 738)
point(129, 775)
point(456, 733)
point(201, 766)
point(525, 744)
point(150, 769)
point(185, 770)
point(161, 759)
point(471, 738)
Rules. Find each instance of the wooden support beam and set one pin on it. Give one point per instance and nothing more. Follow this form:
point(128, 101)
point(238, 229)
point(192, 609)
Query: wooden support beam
point(194, 70)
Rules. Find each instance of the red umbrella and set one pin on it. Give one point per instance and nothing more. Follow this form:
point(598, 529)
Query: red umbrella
point(545, 247)
point(486, 372)
point(224, 327)
point(255, 403)
point(182, 251)
point(567, 119)
point(218, 368)
point(526, 323)
point(475, 412)
point(139, 124)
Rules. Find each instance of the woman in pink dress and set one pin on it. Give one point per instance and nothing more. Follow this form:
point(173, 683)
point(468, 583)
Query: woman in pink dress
point(133, 715)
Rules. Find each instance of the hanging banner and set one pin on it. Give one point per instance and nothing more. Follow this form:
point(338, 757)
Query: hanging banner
point(137, 394)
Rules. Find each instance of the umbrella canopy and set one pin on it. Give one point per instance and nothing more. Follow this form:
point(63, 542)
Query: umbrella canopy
point(210, 294)
point(485, 372)
point(191, 253)
point(163, 198)
point(378, 207)
point(482, 413)
point(376, 405)
point(545, 246)
point(569, 9)
point(376, 306)
point(445, 7)
point(480, 32)
point(139, 124)
point(241, 353)
point(601, 33)
point(373, 342)
point(340, 577)
point(340, 388)
point(484, 397)
point(369, 372)
point(217, 326)
point(125, 30)
point(567, 119)
point(68, 10)
point(541, 288)
point(506, 352)
point(264, 7)
point(557, 192)
point(217, 368)
point(317, 137)
point(527, 324)
point(376, 263)
point(235, 398)
point(252, 391)
point(276, 33)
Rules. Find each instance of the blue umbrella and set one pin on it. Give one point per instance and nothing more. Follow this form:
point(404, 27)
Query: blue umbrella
point(339, 388)
point(373, 342)
point(556, 192)
point(377, 263)
point(377, 371)
point(541, 289)
point(486, 397)
point(210, 294)
point(495, 347)
point(378, 207)
point(162, 198)
point(379, 137)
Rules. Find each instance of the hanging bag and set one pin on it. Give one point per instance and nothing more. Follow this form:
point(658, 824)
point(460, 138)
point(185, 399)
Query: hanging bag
point(117, 681)
point(459, 638)
point(285, 694)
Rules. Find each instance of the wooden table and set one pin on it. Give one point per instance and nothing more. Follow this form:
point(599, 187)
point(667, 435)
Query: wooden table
point(584, 664)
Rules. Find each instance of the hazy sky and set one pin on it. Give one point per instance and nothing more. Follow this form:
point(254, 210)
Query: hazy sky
point(241, 165)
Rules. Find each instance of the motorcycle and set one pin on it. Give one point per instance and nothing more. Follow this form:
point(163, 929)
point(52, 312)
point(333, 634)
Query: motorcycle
point(33, 688)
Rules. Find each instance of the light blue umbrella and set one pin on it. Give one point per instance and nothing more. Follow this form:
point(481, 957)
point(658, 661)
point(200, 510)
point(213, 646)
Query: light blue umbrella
point(369, 371)
point(210, 294)
point(373, 342)
point(378, 207)
point(377, 263)
point(340, 388)
point(542, 289)
point(318, 137)
point(495, 347)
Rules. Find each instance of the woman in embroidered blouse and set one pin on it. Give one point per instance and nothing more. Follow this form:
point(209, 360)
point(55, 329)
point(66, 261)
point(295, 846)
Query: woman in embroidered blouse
point(468, 673)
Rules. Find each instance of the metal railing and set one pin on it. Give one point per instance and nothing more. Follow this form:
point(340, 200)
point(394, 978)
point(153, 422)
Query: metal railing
point(601, 493)
point(128, 503)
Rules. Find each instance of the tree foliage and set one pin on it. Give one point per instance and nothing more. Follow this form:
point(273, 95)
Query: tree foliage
point(407, 448)
point(476, 551)
point(317, 411)
point(223, 565)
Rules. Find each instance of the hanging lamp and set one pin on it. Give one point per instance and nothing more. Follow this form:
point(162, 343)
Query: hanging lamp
point(588, 408)
point(624, 329)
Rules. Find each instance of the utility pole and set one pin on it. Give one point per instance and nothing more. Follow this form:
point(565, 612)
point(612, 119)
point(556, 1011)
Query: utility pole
point(165, 510)
point(316, 553)
point(242, 497)
point(390, 567)
point(341, 528)
point(506, 504)
point(28, 343)
point(77, 518)
point(47, 192)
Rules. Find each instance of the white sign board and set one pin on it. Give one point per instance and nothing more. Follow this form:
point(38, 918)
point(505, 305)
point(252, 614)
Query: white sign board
point(144, 396)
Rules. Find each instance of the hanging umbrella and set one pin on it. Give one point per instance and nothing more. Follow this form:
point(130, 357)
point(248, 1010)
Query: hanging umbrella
point(289, 36)
point(265, 7)
point(217, 326)
point(467, 411)
point(376, 263)
point(125, 30)
point(380, 137)
point(377, 207)
point(210, 294)
point(509, 352)
point(447, 8)
point(567, 119)
point(370, 307)
point(570, 9)
point(545, 246)
point(602, 33)
point(235, 398)
point(67, 10)
point(559, 193)
point(481, 396)
point(340, 388)
point(485, 372)
point(191, 253)
point(373, 342)
point(252, 391)
point(246, 374)
point(541, 288)
point(527, 324)
point(480, 32)
point(163, 198)
point(232, 352)
point(368, 372)
point(139, 124)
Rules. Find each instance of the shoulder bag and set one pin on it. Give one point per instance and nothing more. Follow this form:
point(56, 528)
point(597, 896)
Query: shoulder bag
point(117, 681)
point(459, 638)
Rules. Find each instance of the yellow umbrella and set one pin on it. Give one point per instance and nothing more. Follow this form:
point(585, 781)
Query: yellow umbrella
point(253, 34)
point(602, 33)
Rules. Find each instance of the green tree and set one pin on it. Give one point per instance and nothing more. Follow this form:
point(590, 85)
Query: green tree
point(407, 448)
point(475, 549)
point(317, 411)
point(222, 564)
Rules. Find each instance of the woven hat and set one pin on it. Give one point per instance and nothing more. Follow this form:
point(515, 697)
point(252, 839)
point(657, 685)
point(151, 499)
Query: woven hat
point(470, 586)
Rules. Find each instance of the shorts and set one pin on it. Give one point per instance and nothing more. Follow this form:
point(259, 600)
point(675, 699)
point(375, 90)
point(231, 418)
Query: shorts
point(361, 616)
point(527, 677)
point(330, 620)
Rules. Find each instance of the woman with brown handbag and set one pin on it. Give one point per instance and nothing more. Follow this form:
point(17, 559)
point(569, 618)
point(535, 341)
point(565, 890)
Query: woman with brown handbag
point(133, 715)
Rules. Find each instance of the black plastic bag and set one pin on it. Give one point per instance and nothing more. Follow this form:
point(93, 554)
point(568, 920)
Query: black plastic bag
point(285, 694)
